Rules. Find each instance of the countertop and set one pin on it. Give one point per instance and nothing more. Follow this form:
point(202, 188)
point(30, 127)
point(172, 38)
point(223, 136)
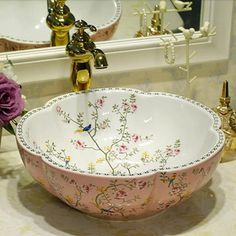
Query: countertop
point(27, 209)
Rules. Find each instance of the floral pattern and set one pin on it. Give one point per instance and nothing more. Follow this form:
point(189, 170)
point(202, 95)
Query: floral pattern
point(109, 200)
point(177, 184)
point(149, 190)
point(125, 198)
point(51, 149)
point(122, 155)
point(162, 155)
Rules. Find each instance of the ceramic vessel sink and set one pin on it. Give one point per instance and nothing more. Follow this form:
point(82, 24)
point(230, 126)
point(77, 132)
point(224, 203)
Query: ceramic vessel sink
point(121, 153)
point(28, 28)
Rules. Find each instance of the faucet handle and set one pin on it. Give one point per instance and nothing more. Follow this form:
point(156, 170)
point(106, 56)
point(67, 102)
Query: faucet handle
point(83, 25)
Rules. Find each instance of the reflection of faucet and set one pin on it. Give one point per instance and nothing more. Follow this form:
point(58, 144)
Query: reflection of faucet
point(60, 21)
point(155, 28)
point(156, 22)
point(82, 50)
point(51, 5)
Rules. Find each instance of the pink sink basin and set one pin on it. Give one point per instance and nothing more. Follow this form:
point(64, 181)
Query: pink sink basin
point(121, 153)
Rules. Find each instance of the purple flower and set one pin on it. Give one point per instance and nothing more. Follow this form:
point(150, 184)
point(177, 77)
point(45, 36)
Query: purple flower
point(11, 102)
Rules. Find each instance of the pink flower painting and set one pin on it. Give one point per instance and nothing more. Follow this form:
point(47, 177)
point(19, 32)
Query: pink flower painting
point(100, 102)
point(135, 138)
point(123, 149)
point(80, 145)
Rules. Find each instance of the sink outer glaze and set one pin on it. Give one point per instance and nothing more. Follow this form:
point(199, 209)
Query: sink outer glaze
point(125, 193)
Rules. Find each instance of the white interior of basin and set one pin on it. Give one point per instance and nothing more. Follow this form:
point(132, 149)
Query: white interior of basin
point(165, 132)
point(26, 19)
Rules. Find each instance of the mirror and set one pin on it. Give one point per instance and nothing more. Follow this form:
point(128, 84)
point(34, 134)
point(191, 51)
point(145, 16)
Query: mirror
point(131, 54)
point(114, 19)
point(131, 16)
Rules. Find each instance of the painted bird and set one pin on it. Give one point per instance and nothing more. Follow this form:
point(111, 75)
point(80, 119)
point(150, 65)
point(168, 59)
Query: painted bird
point(171, 179)
point(67, 160)
point(85, 129)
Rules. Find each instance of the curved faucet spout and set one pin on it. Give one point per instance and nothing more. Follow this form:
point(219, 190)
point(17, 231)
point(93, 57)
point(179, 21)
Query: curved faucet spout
point(100, 60)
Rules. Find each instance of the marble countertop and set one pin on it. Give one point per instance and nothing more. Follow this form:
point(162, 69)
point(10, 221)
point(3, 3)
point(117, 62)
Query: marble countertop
point(27, 209)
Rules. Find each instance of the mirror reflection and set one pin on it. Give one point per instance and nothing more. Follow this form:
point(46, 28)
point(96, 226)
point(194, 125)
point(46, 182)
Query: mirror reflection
point(114, 19)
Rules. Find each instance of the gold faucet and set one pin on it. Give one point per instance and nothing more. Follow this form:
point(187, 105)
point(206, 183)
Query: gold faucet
point(155, 28)
point(60, 21)
point(82, 50)
point(156, 23)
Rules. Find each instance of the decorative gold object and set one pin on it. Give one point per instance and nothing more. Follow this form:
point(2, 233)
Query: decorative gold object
point(155, 28)
point(158, 25)
point(228, 120)
point(82, 50)
point(60, 21)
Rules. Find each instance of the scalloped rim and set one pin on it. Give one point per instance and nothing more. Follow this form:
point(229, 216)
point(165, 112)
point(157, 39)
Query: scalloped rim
point(104, 26)
point(216, 126)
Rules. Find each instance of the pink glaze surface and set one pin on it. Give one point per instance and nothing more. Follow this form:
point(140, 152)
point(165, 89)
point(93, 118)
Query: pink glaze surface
point(121, 195)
